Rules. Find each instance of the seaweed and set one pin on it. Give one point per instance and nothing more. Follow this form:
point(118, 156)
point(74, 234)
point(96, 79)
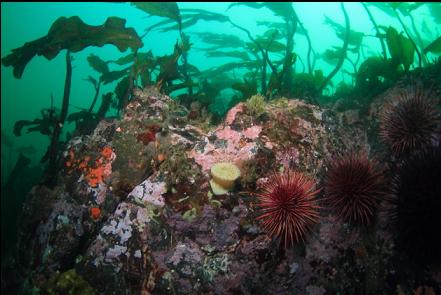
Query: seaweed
point(434, 47)
point(74, 35)
point(355, 38)
point(371, 17)
point(307, 86)
point(164, 9)
point(98, 64)
point(400, 48)
point(168, 68)
point(248, 88)
point(188, 19)
point(86, 121)
point(280, 80)
point(345, 47)
point(283, 9)
point(177, 169)
point(243, 55)
point(68, 282)
point(220, 41)
point(255, 105)
point(44, 125)
point(374, 75)
point(435, 11)
point(101, 67)
point(139, 66)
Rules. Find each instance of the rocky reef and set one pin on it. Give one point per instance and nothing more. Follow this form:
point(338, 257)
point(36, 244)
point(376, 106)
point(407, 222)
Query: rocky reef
point(133, 211)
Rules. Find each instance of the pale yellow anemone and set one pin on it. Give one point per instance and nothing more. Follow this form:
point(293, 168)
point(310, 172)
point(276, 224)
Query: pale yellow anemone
point(224, 175)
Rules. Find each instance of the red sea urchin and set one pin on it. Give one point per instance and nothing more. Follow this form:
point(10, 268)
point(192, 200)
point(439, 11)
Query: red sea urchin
point(288, 207)
point(409, 122)
point(354, 187)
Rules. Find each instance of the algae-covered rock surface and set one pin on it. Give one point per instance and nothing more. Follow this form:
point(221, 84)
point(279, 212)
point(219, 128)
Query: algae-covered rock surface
point(133, 211)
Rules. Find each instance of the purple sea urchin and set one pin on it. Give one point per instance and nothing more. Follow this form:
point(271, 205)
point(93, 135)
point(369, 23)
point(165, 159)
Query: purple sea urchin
point(288, 207)
point(417, 210)
point(354, 187)
point(410, 121)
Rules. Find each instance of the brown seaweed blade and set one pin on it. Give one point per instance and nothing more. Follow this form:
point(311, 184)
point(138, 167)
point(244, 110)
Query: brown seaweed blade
point(434, 47)
point(74, 35)
point(164, 9)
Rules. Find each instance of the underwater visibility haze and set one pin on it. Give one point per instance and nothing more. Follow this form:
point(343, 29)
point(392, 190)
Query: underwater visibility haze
point(221, 148)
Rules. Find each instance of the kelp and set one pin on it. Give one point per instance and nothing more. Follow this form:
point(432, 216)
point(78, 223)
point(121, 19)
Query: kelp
point(249, 4)
point(389, 7)
point(171, 10)
point(267, 44)
point(280, 26)
point(191, 69)
point(190, 18)
point(355, 38)
point(280, 62)
point(300, 29)
point(234, 54)
point(163, 9)
point(400, 48)
point(86, 121)
point(174, 87)
point(307, 85)
point(217, 83)
point(332, 56)
point(97, 64)
point(279, 80)
point(377, 29)
point(6, 140)
point(112, 76)
point(230, 66)
point(92, 81)
point(74, 35)
point(405, 7)
point(393, 9)
point(206, 15)
point(434, 47)
point(220, 40)
point(100, 66)
point(121, 91)
point(106, 77)
point(345, 47)
point(44, 125)
point(168, 66)
point(283, 9)
point(248, 88)
point(374, 75)
point(435, 11)
point(80, 115)
point(129, 58)
point(273, 33)
point(143, 60)
point(383, 6)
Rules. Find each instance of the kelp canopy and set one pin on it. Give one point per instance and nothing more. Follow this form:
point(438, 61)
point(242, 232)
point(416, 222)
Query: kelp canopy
point(269, 59)
point(277, 57)
point(74, 35)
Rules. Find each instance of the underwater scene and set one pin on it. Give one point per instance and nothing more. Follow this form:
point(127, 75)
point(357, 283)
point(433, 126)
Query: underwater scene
point(221, 148)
